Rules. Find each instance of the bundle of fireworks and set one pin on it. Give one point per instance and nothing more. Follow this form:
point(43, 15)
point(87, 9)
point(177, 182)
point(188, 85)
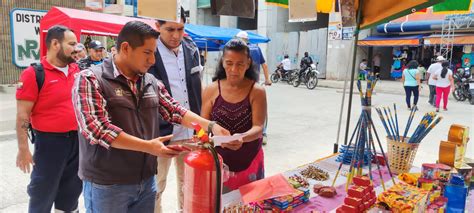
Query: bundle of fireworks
point(361, 149)
point(427, 123)
point(289, 202)
point(403, 198)
point(402, 149)
point(348, 151)
point(360, 196)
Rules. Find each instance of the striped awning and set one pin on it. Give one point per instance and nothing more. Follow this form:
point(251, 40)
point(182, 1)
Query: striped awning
point(458, 39)
point(391, 40)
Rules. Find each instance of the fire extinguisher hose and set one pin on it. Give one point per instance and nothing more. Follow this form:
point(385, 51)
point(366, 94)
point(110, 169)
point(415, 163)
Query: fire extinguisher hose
point(218, 176)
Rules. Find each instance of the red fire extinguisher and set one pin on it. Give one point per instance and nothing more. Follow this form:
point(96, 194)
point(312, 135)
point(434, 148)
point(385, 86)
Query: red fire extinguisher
point(202, 178)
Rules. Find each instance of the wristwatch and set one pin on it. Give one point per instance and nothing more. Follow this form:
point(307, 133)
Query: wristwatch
point(210, 126)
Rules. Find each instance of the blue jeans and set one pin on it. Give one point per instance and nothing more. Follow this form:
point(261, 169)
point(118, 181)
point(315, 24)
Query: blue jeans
point(120, 198)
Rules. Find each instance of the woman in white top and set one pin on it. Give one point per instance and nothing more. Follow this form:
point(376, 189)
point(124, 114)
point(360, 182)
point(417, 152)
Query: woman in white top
point(444, 82)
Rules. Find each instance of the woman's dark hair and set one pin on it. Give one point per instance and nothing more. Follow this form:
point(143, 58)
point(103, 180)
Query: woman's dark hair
point(135, 33)
point(240, 46)
point(445, 69)
point(413, 64)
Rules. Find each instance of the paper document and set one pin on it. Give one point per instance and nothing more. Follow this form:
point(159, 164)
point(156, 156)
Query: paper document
point(219, 140)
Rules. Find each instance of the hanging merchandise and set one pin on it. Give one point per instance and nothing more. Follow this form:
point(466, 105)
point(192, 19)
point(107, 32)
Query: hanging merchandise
point(322, 6)
point(397, 64)
point(240, 8)
point(467, 59)
point(467, 49)
point(348, 13)
point(301, 11)
point(168, 10)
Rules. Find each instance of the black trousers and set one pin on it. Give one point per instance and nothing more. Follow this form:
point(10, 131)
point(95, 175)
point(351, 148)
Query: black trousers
point(408, 91)
point(432, 98)
point(54, 177)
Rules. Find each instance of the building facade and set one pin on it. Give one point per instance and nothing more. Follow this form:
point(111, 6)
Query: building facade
point(9, 71)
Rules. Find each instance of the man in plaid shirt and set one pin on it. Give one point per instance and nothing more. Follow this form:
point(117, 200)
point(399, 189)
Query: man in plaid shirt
point(118, 106)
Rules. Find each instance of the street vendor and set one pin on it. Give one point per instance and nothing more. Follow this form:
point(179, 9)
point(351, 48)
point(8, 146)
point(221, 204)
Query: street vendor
point(236, 102)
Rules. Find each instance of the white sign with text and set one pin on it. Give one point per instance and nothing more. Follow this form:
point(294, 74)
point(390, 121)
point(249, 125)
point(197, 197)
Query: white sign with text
point(25, 34)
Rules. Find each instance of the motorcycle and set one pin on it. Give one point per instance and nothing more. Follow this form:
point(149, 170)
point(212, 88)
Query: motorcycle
point(463, 85)
point(308, 77)
point(285, 76)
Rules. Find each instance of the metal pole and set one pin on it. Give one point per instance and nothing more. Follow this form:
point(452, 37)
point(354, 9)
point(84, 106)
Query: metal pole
point(351, 90)
point(336, 145)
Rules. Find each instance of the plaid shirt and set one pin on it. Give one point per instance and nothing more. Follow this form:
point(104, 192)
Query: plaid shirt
point(93, 118)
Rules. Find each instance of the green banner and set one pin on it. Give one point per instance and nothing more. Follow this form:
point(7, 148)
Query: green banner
point(452, 5)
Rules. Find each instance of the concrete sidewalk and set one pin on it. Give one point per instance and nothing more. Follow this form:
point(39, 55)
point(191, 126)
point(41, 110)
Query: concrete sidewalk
point(383, 86)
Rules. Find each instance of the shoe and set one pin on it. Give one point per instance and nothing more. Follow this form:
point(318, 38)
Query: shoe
point(445, 109)
point(437, 109)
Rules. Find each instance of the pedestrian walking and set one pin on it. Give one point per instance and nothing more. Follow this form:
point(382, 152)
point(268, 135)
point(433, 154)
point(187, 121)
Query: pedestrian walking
point(363, 69)
point(432, 69)
point(411, 83)
point(444, 83)
point(44, 104)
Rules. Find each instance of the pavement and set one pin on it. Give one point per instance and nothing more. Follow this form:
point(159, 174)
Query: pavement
point(302, 128)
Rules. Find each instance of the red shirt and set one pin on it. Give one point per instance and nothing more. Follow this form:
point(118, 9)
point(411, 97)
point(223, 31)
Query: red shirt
point(53, 110)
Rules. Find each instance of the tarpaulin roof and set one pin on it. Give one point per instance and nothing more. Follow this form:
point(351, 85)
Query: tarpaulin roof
point(216, 36)
point(458, 39)
point(392, 40)
point(85, 22)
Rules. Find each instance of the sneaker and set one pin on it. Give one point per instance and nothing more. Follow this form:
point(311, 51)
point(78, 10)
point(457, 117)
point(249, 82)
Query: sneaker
point(445, 109)
point(437, 109)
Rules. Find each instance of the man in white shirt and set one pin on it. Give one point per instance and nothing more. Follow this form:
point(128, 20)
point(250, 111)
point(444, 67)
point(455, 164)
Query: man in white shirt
point(286, 65)
point(178, 67)
point(434, 68)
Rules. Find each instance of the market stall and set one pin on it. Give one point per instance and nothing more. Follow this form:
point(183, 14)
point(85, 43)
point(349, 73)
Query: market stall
point(213, 37)
point(84, 23)
point(306, 199)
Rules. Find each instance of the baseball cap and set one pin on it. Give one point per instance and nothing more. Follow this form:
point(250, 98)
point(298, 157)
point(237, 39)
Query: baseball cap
point(95, 45)
point(440, 58)
point(79, 47)
point(242, 34)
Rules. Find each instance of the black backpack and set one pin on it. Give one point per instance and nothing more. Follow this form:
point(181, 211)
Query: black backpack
point(39, 73)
